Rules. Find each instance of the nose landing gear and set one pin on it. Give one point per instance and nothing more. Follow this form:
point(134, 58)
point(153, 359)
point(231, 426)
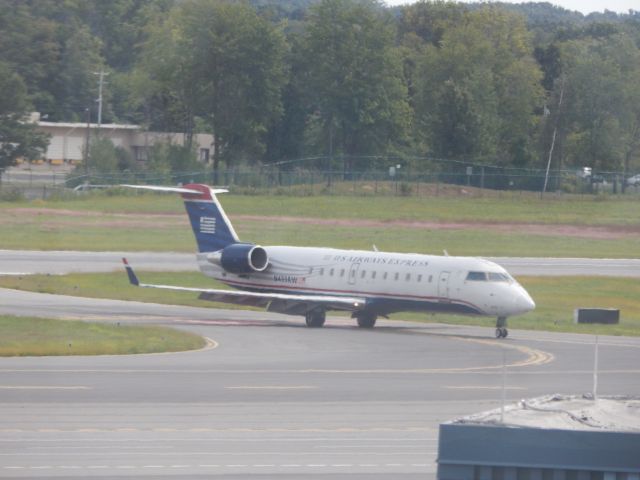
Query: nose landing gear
point(501, 327)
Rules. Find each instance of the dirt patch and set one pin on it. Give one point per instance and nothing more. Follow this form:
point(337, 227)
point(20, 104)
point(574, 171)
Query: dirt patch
point(52, 219)
point(578, 231)
point(83, 213)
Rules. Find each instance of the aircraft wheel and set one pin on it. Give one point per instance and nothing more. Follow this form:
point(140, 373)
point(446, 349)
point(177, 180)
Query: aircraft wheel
point(501, 327)
point(315, 319)
point(366, 320)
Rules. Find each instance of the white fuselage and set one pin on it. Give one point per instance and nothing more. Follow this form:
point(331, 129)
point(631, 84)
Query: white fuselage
point(390, 282)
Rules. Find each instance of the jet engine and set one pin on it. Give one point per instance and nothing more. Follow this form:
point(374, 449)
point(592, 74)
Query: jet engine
point(243, 258)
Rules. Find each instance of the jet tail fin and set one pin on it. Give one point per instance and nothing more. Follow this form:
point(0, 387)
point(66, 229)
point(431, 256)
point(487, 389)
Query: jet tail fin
point(209, 222)
point(133, 279)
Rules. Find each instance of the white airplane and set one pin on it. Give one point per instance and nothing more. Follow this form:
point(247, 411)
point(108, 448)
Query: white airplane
point(310, 281)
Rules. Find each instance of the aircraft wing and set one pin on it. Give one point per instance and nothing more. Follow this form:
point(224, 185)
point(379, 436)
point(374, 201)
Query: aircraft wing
point(274, 302)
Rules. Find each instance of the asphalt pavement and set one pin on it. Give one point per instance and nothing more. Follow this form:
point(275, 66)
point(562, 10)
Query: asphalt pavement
point(269, 398)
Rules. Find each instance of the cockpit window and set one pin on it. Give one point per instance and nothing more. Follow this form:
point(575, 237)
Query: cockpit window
point(498, 277)
point(477, 276)
point(488, 276)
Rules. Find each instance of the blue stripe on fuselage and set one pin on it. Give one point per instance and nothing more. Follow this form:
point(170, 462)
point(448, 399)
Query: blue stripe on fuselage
point(385, 306)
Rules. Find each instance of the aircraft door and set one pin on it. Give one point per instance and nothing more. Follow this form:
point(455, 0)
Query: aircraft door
point(353, 273)
point(443, 286)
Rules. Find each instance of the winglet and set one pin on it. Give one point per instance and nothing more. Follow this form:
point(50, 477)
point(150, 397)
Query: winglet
point(133, 280)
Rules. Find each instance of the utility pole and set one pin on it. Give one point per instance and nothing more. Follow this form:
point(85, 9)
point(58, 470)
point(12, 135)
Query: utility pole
point(86, 143)
point(553, 139)
point(101, 74)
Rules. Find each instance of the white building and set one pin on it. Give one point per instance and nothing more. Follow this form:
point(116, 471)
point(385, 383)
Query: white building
point(68, 141)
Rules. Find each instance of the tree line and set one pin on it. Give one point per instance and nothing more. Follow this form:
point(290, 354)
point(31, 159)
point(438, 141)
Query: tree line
point(345, 82)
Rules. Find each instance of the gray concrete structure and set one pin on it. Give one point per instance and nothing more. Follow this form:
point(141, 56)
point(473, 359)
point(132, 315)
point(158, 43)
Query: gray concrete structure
point(558, 438)
point(67, 142)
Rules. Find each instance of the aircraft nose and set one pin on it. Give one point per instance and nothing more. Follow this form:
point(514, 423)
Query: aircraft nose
point(525, 302)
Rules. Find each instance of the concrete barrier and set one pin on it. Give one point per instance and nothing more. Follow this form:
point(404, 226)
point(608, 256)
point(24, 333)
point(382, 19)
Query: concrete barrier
point(608, 316)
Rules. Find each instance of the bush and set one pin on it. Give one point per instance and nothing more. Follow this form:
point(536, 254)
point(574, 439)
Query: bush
point(11, 194)
point(405, 189)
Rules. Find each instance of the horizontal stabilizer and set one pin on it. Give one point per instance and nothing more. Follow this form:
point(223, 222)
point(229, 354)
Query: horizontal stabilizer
point(211, 227)
point(159, 188)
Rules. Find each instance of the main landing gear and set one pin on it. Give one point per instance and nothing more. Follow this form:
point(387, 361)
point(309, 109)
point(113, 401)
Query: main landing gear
point(315, 318)
point(501, 328)
point(366, 319)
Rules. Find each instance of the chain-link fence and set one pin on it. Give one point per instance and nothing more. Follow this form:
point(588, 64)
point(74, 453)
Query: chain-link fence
point(43, 181)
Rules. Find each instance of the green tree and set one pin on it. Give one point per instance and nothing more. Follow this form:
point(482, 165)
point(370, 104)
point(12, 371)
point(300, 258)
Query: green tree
point(223, 63)
point(121, 26)
point(479, 89)
point(103, 157)
point(18, 139)
point(429, 20)
point(75, 85)
point(354, 79)
point(286, 137)
point(602, 101)
point(167, 159)
point(30, 46)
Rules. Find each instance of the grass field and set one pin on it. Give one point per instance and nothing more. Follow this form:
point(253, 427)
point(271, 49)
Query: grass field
point(556, 297)
point(157, 223)
point(498, 224)
point(26, 336)
point(508, 207)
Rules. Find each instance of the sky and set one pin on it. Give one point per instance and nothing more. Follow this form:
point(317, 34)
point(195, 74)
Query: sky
point(584, 6)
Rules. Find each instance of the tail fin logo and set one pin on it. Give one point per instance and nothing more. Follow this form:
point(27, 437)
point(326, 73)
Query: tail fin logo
point(208, 225)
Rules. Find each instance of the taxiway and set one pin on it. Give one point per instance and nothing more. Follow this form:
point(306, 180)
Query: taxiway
point(14, 262)
point(270, 398)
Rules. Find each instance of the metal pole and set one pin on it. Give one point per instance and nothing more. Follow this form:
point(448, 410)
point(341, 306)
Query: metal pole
point(553, 140)
point(504, 384)
point(595, 371)
point(86, 146)
point(101, 83)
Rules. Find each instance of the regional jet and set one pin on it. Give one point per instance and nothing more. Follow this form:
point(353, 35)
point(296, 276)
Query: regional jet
point(310, 281)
